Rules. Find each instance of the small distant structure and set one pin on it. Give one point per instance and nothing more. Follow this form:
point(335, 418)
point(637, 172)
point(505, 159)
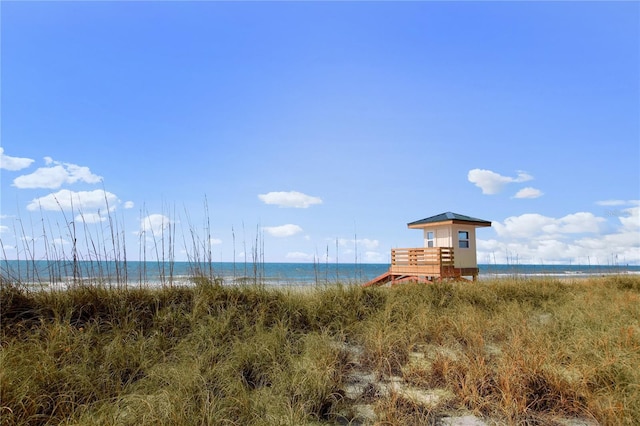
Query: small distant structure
point(449, 251)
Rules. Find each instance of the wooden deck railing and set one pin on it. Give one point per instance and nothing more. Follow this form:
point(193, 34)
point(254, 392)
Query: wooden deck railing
point(422, 264)
point(422, 256)
point(421, 261)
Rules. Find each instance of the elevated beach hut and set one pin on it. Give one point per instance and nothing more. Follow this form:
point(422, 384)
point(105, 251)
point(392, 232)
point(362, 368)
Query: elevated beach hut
point(449, 251)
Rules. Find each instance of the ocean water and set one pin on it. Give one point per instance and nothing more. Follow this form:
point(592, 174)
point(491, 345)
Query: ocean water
point(62, 273)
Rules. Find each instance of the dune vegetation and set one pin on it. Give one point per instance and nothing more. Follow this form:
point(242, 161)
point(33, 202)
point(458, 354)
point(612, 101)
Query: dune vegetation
point(510, 351)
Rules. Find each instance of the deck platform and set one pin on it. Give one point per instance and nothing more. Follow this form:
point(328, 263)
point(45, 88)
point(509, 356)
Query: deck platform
point(422, 265)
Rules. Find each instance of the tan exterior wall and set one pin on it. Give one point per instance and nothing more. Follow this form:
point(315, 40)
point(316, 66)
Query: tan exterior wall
point(444, 237)
point(464, 257)
point(442, 234)
point(447, 236)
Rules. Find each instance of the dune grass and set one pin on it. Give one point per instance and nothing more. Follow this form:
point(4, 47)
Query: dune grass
point(513, 351)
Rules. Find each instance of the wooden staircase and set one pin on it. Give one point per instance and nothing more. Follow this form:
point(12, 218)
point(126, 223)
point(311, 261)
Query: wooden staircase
point(394, 279)
point(379, 280)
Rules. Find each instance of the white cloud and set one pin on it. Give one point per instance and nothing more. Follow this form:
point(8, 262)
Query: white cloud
point(578, 223)
point(215, 241)
point(44, 177)
point(56, 176)
point(491, 182)
point(601, 250)
point(155, 224)
point(524, 226)
point(534, 225)
point(13, 163)
point(84, 201)
point(90, 218)
point(579, 238)
point(289, 199)
point(128, 205)
point(630, 220)
point(3, 229)
point(528, 192)
point(283, 230)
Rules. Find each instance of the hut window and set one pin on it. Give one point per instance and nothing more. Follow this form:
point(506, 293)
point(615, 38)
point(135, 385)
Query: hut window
point(430, 239)
point(463, 239)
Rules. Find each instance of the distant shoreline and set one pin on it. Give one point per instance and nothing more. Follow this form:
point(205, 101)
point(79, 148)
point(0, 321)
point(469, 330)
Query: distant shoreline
point(151, 273)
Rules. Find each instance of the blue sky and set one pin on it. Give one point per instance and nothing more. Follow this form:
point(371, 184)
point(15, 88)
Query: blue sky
point(323, 127)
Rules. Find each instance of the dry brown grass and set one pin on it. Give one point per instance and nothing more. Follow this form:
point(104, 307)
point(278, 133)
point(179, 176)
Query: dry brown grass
point(517, 352)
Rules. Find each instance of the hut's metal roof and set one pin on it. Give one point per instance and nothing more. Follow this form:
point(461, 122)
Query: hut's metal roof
point(449, 217)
